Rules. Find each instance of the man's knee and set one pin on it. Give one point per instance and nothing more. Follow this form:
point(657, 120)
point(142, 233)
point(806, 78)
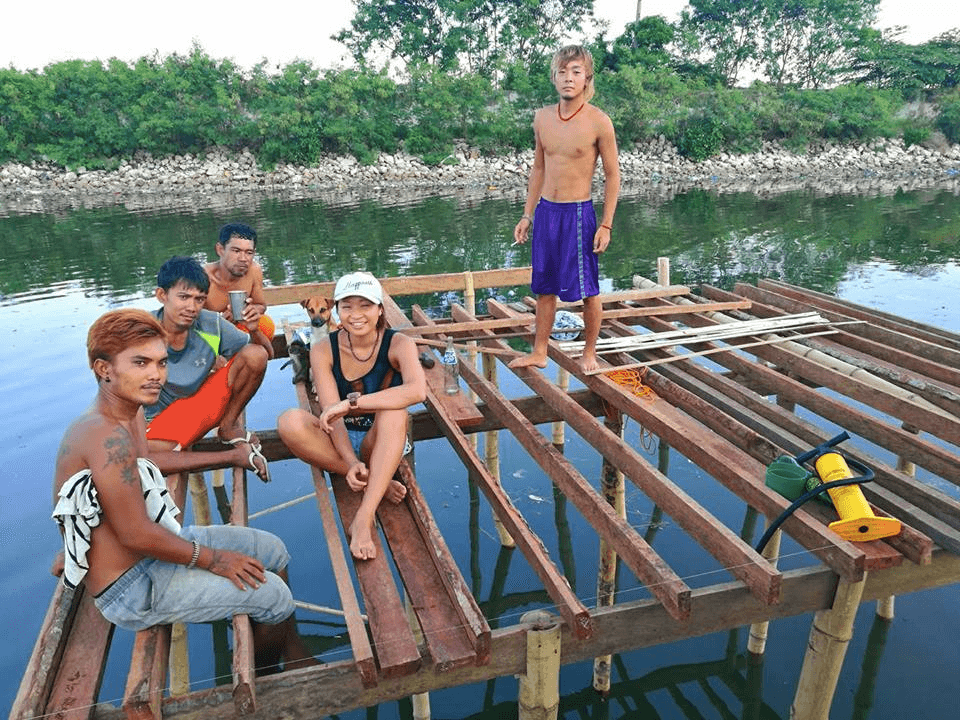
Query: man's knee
point(254, 357)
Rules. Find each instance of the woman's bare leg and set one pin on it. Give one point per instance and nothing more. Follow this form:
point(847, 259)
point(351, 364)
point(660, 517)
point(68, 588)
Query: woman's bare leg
point(382, 449)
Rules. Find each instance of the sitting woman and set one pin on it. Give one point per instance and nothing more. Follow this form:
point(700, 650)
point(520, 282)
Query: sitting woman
point(366, 376)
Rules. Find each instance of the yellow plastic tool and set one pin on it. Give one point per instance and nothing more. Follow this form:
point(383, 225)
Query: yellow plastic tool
point(857, 521)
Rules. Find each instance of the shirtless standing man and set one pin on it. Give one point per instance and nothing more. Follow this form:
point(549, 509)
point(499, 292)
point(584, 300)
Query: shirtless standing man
point(237, 270)
point(569, 137)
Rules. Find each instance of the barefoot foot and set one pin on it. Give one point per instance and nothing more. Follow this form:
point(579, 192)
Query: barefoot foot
point(396, 492)
point(531, 360)
point(361, 541)
point(589, 363)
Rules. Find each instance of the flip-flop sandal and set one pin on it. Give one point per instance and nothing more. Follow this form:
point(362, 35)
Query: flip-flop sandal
point(254, 454)
point(245, 438)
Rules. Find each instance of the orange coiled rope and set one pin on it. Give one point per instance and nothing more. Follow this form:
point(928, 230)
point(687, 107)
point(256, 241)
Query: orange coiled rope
point(632, 380)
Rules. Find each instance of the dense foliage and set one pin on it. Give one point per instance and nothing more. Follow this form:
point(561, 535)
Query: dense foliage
point(655, 79)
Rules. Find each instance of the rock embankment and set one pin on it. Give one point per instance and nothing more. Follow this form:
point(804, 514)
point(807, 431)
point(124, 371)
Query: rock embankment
point(653, 166)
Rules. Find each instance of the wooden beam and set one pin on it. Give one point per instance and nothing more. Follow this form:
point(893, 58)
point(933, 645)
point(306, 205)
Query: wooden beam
point(568, 605)
point(148, 674)
point(410, 285)
point(335, 688)
point(357, 631)
point(724, 461)
point(396, 649)
point(643, 560)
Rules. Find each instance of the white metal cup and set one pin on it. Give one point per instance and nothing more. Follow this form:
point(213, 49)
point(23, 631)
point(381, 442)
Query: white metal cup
point(238, 300)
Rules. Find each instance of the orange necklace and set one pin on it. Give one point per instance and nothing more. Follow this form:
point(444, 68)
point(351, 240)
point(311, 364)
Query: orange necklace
point(564, 119)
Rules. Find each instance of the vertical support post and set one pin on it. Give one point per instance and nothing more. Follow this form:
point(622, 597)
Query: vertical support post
point(491, 446)
point(830, 634)
point(470, 302)
point(539, 697)
point(421, 701)
point(757, 640)
point(663, 271)
point(612, 488)
point(885, 605)
point(563, 382)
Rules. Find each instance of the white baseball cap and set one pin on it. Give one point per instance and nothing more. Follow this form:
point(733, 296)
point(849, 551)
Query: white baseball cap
point(362, 284)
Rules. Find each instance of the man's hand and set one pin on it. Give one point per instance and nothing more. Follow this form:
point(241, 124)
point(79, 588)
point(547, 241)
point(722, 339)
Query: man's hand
point(252, 312)
point(601, 239)
point(242, 570)
point(521, 230)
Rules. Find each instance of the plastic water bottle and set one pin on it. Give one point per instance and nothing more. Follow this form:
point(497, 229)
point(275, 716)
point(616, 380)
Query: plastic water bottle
point(451, 369)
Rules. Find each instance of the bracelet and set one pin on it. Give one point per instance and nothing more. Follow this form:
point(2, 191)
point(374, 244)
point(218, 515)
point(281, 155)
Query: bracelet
point(607, 227)
point(527, 218)
point(196, 555)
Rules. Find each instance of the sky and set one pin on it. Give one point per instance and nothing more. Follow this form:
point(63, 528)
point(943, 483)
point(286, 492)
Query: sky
point(34, 34)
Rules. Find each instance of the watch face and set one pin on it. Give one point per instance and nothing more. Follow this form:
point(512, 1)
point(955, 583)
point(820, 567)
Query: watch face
point(353, 398)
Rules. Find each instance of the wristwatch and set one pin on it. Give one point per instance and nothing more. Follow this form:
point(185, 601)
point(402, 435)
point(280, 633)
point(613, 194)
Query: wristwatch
point(353, 398)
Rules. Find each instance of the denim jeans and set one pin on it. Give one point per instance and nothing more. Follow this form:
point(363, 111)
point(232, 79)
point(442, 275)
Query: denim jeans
point(155, 592)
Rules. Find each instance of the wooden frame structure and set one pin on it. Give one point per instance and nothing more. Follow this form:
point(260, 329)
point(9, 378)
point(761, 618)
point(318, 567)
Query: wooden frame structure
point(720, 419)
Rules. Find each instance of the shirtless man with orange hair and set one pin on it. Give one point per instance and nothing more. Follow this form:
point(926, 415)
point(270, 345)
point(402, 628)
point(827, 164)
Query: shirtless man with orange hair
point(569, 137)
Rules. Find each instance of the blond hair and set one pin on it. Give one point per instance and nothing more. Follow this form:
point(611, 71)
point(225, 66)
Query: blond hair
point(568, 54)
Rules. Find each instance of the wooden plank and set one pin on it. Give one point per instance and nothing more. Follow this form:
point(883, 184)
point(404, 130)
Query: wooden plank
point(898, 354)
point(725, 462)
point(335, 688)
point(443, 628)
point(927, 509)
point(732, 552)
point(574, 613)
point(471, 617)
point(460, 407)
point(396, 649)
point(148, 674)
point(646, 564)
point(410, 285)
point(922, 331)
point(80, 670)
point(244, 660)
point(39, 675)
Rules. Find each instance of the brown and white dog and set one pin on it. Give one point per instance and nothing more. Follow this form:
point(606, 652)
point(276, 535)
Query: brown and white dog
point(320, 310)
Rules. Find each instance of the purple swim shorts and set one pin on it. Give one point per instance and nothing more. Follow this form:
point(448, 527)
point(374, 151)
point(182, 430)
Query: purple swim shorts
point(564, 263)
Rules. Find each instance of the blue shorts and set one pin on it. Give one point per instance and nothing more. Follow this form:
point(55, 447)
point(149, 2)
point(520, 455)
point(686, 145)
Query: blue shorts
point(356, 440)
point(155, 592)
point(564, 263)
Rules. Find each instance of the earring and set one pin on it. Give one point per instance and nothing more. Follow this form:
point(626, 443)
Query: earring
point(107, 378)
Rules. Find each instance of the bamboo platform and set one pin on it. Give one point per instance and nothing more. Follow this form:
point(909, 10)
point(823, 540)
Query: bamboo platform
point(710, 397)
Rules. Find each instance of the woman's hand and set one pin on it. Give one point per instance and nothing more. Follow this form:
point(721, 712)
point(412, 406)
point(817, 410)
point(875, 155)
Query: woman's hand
point(357, 476)
point(332, 413)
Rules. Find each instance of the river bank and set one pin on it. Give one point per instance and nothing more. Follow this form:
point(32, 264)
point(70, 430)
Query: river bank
point(221, 178)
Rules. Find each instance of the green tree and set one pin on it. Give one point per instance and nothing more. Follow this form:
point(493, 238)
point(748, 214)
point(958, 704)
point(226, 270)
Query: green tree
point(642, 44)
point(722, 33)
point(805, 42)
point(473, 35)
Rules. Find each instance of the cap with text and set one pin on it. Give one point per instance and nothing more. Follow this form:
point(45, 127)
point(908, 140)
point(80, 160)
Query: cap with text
point(361, 284)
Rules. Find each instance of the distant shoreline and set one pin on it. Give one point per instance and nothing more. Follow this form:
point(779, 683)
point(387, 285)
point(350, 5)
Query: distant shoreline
point(222, 179)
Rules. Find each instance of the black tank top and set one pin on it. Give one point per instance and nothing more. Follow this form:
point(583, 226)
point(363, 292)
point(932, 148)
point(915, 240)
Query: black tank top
point(379, 377)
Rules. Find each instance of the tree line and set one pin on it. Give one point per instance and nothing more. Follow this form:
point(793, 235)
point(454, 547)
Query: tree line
point(429, 72)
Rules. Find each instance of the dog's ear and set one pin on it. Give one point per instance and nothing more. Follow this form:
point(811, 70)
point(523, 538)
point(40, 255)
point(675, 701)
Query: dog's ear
point(330, 303)
point(304, 303)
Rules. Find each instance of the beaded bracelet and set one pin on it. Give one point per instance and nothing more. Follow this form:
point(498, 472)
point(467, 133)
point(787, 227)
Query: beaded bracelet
point(196, 555)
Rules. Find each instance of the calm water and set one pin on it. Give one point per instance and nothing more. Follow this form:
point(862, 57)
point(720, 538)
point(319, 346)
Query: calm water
point(59, 272)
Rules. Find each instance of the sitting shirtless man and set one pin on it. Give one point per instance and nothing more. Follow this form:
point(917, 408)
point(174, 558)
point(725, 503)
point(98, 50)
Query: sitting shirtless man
point(237, 270)
point(121, 536)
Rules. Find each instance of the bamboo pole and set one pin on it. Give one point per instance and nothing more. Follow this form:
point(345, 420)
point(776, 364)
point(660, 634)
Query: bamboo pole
point(612, 487)
point(663, 263)
point(757, 640)
point(539, 696)
point(470, 301)
point(491, 446)
point(830, 634)
point(563, 382)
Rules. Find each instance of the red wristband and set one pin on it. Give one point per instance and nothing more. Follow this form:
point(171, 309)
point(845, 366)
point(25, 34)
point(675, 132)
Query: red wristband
point(607, 227)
